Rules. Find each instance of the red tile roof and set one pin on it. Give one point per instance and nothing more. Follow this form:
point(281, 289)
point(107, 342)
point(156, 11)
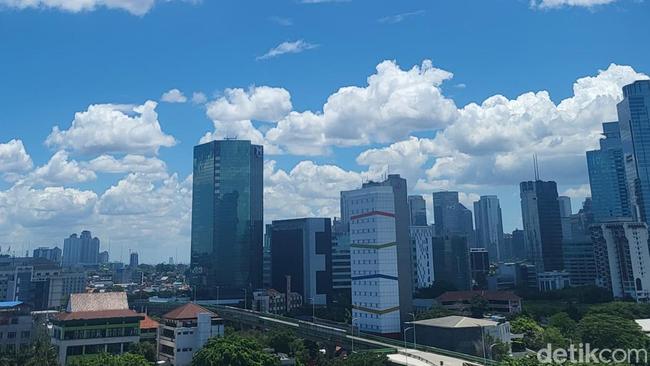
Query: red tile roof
point(488, 295)
point(102, 314)
point(147, 322)
point(187, 311)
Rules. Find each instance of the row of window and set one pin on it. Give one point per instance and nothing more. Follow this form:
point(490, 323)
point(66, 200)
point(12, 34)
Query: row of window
point(12, 335)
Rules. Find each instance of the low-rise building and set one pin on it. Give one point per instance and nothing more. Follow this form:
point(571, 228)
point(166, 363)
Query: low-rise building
point(460, 334)
point(275, 302)
point(95, 323)
point(16, 326)
point(501, 302)
point(184, 330)
point(149, 330)
point(553, 280)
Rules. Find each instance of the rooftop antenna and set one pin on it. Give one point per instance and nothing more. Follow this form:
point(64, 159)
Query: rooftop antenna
point(536, 165)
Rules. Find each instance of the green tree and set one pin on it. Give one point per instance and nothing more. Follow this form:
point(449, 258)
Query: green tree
point(565, 324)
point(280, 340)
point(553, 336)
point(530, 329)
point(435, 312)
point(363, 359)
point(478, 306)
point(144, 349)
point(609, 331)
point(438, 288)
point(233, 350)
point(105, 359)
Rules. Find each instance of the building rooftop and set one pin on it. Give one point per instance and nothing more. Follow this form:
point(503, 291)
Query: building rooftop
point(101, 314)
point(147, 322)
point(9, 304)
point(97, 302)
point(455, 321)
point(488, 295)
point(644, 324)
point(187, 311)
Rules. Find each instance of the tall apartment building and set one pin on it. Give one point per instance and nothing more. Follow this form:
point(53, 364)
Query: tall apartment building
point(540, 211)
point(134, 260)
point(81, 250)
point(418, 210)
point(377, 216)
point(489, 226)
point(302, 249)
point(607, 179)
point(422, 256)
point(341, 275)
point(227, 226)
point(623, 258)
point(51, 254)
point(634, 125)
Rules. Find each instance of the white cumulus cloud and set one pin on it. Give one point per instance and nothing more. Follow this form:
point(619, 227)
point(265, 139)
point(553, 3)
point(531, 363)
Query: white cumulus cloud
point(173, 96)
point(60, 170)
point(14, 157)
point(550, 4)
point(113, 128)
point(135, 7)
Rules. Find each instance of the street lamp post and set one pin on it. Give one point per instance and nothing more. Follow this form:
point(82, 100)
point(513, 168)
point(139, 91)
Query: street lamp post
point(353, 319)
point(415, 343)
point(405, 353)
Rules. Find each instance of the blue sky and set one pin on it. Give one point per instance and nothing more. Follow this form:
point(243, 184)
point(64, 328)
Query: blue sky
point(58, 60)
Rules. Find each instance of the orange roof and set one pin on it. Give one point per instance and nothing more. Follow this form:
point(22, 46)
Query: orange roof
point(101, 314)
point(147, 322)
point(187, 311)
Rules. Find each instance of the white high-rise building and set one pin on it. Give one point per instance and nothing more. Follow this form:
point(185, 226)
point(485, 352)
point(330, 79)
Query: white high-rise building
point(422, 251)
point(623, 258)
point(377, 216)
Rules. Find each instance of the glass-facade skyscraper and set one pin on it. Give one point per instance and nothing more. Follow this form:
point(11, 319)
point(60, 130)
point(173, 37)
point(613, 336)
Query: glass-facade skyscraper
point(634, 124)
point(226, 258)
point(540, 211)
point(452, 217)
point(489, 226)
point(609, 192)
point(418, 208)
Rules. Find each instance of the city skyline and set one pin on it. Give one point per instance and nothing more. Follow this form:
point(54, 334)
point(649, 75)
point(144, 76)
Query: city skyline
point(115, 158)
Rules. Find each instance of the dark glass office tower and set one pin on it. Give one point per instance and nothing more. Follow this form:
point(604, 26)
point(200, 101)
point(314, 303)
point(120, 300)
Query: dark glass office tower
point(634, 124)
point(540, 211)
point(227, 219)
point(452, 217)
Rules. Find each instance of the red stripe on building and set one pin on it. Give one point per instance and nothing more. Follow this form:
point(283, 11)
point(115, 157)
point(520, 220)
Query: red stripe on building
point(372, 213)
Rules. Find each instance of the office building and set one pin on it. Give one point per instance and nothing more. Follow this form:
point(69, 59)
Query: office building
point(578, 248)
point(184, 331)
point(540, 211)
point(622, 259)
point(266, 257)
point(16, 326)
point(634, 125)
point(302, 249)
point(607, 179)
point(451, 217)
point(489, 226)
point(422, 256)
point(377, 216)
point(479, 262)
point(227, 227)
point(51, 254)
point(499, 302)
point(133, 260)
point(275, 302)
point(82, 250)
point(418, 210)
point(341, 275)
point(95, 323)
point(451, 261)
point(553, 280)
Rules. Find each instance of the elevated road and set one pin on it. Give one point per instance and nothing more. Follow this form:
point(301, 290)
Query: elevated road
point(344, 335)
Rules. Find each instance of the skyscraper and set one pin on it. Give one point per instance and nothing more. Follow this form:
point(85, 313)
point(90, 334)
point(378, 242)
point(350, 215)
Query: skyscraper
point(634, 124)
point(422, 256)
point(227, 223)
point(341, 278)
point(607, 179)
point(540, 211)
point(377, 216)
point(81, 250)
point(452, 217)
point(451, 261)
point(418, 209)
point(52, 254)
point(480, 267)
point(565, 206)
point(302, 249)
point(489, 226)
point(133, 260)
